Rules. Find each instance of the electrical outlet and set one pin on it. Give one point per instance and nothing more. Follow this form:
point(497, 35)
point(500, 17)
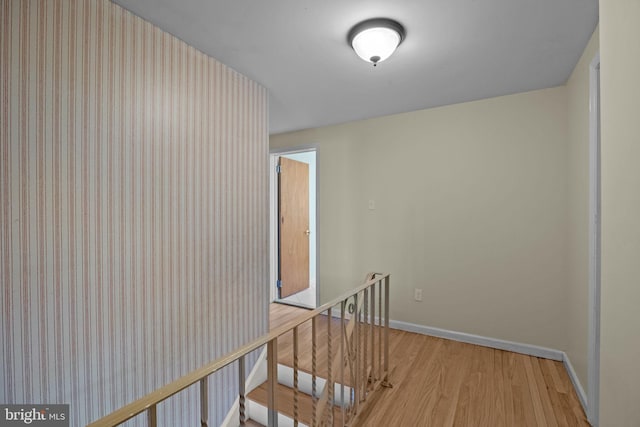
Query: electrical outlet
point(372, 205)
point(417, 294)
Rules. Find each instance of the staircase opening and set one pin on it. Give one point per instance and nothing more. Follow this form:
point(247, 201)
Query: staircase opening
point(326, 362)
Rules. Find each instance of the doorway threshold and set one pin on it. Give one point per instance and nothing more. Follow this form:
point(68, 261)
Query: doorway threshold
point(305, 298)
point(292, 303)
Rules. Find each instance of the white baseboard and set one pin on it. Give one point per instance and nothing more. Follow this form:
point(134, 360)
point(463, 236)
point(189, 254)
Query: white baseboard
point(577, 386)
point(531, 350)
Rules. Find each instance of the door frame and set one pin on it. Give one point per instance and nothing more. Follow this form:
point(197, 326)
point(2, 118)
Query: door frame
point(593, 359)
point(274, 153)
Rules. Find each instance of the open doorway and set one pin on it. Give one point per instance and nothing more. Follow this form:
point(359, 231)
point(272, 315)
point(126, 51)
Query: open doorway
point(293, 226)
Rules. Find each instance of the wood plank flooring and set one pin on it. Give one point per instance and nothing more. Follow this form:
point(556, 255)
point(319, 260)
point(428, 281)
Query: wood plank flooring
point(440, 383)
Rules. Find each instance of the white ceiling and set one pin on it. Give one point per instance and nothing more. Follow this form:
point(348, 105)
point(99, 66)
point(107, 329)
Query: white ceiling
point(454, 51)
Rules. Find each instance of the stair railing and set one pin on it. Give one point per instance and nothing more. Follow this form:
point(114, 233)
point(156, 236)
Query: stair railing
point(362, 339)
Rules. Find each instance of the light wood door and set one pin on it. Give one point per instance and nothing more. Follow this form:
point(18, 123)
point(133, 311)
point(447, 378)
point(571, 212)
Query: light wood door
point(293, 219)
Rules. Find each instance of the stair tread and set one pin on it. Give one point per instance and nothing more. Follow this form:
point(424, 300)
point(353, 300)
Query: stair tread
point(285, 403)
point(305, 357)
point(252, 423)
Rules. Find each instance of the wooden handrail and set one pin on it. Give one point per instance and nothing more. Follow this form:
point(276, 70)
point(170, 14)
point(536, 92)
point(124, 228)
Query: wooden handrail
point(149, 401)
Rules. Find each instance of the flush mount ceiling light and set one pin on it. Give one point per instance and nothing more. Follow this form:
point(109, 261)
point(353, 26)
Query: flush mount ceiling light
point(374, 40)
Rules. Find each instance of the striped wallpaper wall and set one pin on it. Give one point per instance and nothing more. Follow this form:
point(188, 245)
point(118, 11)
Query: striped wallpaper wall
point(133, 210)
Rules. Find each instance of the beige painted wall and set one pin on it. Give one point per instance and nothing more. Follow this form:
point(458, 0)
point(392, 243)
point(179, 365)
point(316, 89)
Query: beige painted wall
point(620, 80)
point(578, 211)
point(470, 207)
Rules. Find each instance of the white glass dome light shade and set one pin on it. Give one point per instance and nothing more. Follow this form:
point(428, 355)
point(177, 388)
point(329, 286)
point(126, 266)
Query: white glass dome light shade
point(376, 44)
point(375, 40)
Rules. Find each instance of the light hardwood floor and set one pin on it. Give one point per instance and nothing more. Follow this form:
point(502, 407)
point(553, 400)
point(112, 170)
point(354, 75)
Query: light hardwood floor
point(440, 383)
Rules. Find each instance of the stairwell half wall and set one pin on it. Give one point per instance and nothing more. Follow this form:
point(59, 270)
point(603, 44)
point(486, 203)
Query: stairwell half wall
point(133, 211)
